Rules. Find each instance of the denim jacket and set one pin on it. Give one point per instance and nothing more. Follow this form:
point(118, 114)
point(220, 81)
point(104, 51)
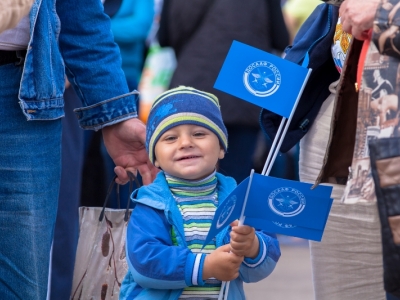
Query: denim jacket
point(74, 37)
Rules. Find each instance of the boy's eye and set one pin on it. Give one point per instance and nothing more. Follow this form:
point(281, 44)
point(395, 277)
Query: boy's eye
point(199, 134)
point(170, 138)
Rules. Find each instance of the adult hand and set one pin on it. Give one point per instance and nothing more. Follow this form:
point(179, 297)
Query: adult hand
point(357, 17)
point(222, 264)
point(244, 241)
point(125, 142)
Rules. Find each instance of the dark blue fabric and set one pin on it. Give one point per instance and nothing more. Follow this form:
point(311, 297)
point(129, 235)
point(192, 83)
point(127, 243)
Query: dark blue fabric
point(67, 224)
point(111, 7)
point(238, 164)
point(315, 37)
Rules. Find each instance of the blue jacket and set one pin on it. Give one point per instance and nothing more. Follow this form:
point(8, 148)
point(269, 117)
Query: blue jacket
point(159, 270)
point(74, 36)
point(315, 37)
point(130, 26)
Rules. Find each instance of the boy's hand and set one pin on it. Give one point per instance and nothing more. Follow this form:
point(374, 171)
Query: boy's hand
point(244, 241)
point(222, 264)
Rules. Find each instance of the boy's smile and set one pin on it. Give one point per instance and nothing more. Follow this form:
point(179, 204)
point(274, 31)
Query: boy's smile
point(188, 151)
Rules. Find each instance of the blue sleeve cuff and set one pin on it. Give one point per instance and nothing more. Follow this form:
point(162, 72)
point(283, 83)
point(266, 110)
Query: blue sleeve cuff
point(262, 253)
point(194, 269)
point(108, 112)
point(200, 273)
point(190, 260)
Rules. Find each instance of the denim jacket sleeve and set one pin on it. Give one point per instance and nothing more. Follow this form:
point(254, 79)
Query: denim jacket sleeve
point(93, 64)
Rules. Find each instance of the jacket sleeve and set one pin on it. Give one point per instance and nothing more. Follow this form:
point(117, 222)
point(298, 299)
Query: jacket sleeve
point(153, 260)
point(12, 11)
point(93, 64)
point(253, 270)
point(386, 34)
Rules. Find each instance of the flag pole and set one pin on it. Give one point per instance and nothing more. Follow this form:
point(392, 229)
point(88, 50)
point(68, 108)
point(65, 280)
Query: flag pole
point(225, 285)
point(277, 136)
point(281, 138)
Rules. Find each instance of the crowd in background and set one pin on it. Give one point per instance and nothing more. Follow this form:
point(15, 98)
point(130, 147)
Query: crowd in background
point(86, 165)
point(191, 29)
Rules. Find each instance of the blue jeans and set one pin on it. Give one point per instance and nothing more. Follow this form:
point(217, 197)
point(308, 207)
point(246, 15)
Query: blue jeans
point(29, 184)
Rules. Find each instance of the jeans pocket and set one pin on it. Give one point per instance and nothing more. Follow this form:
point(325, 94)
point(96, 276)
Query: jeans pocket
point(385, 167)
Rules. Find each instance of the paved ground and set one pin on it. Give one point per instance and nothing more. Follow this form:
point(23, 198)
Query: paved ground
point(291, 279)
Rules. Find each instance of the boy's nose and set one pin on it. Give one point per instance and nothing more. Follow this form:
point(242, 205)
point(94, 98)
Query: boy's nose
point(186, 141)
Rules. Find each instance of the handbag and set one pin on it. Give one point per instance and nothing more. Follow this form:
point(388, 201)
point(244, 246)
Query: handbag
point(100, 263)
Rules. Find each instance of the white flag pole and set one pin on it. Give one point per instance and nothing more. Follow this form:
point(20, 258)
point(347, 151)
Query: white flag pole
point(267, 162)
point(281, 138)
point(225, 285)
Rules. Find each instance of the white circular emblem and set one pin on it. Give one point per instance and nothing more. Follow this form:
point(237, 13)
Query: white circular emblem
point(227, 207)
point(262, 78)
point(286, 201)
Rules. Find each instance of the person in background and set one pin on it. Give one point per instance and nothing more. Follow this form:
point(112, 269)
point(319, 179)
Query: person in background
point(131, 21)
point(12, 11)
point(341, 138)
point(35, 57)
point(296, 12)
point(185, 138)
point(130, 30)
point(66, 231)
point(201, 33)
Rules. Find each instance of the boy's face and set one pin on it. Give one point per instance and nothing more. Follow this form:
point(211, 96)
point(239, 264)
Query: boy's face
point(188, 151)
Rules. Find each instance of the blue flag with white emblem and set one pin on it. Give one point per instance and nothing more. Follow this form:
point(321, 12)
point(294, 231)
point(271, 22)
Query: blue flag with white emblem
point(278, 206)
point(261, 78)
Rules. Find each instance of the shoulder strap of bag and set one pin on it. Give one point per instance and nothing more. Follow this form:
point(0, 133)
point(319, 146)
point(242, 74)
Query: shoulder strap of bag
point(361, 60)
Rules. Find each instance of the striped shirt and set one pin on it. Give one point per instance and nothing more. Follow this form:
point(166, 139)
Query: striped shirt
point(197, 202)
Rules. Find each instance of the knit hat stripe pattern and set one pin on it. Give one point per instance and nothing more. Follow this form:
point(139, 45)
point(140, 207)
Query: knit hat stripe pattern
point(184, 105)
point(186, 118)
point(181, 90)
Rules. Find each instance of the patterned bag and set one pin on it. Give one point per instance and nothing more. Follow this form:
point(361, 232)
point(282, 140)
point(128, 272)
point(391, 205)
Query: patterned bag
point(100, 263)
point(385, 163)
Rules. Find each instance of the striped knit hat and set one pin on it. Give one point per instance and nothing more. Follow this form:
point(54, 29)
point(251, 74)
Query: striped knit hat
point(184, 105)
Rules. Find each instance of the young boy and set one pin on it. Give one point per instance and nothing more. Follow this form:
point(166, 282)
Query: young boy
point(185, 138)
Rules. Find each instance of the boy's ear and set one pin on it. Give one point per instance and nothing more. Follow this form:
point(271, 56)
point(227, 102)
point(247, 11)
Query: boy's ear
point(156, 164)
point(221, 153)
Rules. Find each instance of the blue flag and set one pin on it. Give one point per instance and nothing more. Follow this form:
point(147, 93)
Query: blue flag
point(278, 206)
point(229, 210)
point(261, 78)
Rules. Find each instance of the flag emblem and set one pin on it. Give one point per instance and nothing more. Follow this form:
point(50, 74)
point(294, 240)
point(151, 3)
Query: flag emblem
point(286, 201)
point(228, 207)
point(262, 78)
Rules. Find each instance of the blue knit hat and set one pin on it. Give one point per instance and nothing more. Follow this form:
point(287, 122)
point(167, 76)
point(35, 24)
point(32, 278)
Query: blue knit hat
point(184, 105)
